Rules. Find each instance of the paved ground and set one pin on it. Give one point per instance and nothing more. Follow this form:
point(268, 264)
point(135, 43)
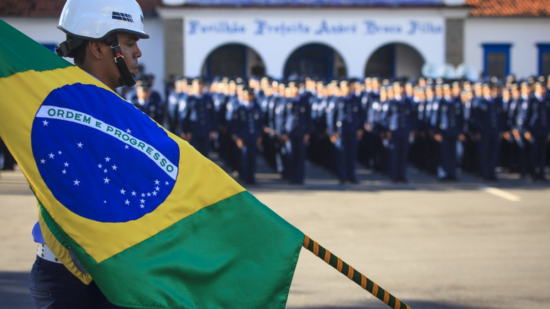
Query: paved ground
point(434, 245)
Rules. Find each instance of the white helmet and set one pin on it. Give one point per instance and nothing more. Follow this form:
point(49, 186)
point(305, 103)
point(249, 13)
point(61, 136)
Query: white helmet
point(95, 19)
point(85, 20)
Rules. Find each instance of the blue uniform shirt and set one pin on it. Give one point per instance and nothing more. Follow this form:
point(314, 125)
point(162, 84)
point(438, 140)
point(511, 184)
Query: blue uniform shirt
point(347, 117)
point(249, 122)
point(400, 117)
point(298, 116)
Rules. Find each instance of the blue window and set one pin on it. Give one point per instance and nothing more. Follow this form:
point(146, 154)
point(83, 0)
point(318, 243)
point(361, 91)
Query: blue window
point(544, 59)
point(496, 59)
point(50, 46)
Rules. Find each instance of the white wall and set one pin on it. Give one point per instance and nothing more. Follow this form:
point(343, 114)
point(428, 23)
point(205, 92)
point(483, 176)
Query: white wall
point(355, 44)
point(522, 33)
point(44, 31)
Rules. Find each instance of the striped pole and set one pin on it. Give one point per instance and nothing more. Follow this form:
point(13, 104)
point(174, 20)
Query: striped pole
point(353, 274)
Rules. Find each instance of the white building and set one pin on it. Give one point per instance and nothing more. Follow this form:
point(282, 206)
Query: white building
point(325, 38)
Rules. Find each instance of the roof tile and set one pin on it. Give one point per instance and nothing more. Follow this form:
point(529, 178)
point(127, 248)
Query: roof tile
point(509, 8)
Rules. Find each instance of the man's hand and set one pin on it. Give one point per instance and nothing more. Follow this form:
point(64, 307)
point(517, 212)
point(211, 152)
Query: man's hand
point(334, 138)
point(259, 142)
point(388, 135)
point(527, 136)
point(306, 138)
point(212, 135)
point(367, 127)
point(359, 134)
point(267, 130)
point(516, 134)
point(284, 138)
point(506, 135)
point(239, 143)
point(461, 137)
point(438, 138)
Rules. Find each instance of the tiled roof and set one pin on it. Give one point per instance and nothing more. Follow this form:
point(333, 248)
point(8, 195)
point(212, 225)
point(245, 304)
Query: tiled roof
point(509, 8)
point(52, 8)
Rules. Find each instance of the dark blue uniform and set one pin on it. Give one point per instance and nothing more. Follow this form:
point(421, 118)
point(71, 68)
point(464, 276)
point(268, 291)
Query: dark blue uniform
point(538, 126)
point(153, 106)
point(249, 130)
point(346, 121)
point(372, 119)
point(297, 125)
point(520, 125)
point(199, 121)
point(172, 110)
point(490, 125)
point(449, 115)
point(400, 120)
point(282, 156)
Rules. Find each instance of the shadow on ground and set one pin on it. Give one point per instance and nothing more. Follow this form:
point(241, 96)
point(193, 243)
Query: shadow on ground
point(14, 290)
point(412, 304)
point(320, 179)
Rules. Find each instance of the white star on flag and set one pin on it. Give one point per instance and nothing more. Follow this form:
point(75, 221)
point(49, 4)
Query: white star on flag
point(66, 164)
point(64, 172)
point(142, 206)
point(157, 182)
point(106, 180)
point(155, 193)
point(142, 201)
point(45, 123)
point(129, 131)
point(76, 182)
point(167, 183)
point(80, 145)
point(157, 189)
point(105, 202)
point(122, 191)
point(127, 202)
point(51, 155)
point(126, 147)
point(99, 165)
point(142, 195)
point(107, 159)
point(133, 193)
point(43, 161)
point(105, 171)
point(148, 194)
point(114, 167)
point(59, 152)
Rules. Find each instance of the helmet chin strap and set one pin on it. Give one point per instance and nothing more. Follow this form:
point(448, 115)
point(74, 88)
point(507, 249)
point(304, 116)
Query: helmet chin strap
point(126, 78)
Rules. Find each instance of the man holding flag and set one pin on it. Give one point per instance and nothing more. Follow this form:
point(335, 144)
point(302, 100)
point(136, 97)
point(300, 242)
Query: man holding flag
point(107, 50)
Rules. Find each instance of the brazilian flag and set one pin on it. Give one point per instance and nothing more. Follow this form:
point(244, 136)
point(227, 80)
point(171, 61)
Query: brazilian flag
point(153, 223)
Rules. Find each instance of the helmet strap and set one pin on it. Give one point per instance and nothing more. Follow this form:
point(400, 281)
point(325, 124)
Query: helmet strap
point(67, 48)
point(126, 78)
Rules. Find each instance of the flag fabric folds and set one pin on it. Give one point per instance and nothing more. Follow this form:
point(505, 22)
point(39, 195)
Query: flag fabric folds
point(153, 222)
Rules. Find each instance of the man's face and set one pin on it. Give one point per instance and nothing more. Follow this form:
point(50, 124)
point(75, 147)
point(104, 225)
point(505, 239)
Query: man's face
point(131, 53)
point(130, 50)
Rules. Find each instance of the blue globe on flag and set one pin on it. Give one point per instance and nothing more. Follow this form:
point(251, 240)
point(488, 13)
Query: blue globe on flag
point(98, 163)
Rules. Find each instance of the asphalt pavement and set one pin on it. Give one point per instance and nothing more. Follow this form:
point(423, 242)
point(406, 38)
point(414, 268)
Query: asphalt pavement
point(434, 245)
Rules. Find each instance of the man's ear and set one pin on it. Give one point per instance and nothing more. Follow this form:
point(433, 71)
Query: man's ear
point(95, 50)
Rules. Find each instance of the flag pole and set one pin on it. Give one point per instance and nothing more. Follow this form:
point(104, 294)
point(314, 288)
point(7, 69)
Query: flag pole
point(353, 275)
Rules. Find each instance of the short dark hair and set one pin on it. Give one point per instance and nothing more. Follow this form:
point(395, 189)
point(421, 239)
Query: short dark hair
point(80, 53)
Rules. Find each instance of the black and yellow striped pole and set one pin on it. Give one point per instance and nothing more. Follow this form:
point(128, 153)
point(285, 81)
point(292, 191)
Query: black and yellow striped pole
point(353, 274)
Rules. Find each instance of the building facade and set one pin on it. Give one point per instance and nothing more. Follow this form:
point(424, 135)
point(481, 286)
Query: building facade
point(325, 38)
